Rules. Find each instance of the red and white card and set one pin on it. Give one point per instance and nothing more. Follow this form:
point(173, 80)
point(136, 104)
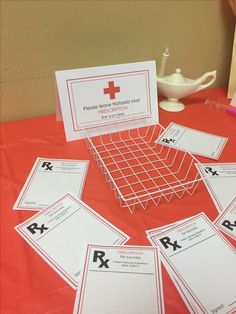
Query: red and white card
point(220, 181)
point(226, 221)
point(50, 179)
point(58, 234)
point(106, 99)
point(194, 141)
point(201, 263)
point(120, 279)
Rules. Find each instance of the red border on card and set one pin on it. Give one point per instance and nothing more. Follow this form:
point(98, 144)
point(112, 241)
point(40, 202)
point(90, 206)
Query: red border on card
point(214, 195)
point(157, 274)
point(99, 77)
point(35, 169)
point(218, 221)
point(173, 267)
point(222, 143)
point(183, 296)
point(44, 253)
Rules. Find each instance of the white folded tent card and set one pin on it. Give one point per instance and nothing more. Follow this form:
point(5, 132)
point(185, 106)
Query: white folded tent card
point(116, 109)
point(106, 99)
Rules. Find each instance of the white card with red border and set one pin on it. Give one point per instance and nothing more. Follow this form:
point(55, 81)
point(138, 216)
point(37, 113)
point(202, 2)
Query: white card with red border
point(220, 181)
point(201, 263)
point(183, 291)
point(99, 100)
point(59, 233)
point(120, 280)
point(226, 221)
point(195, 141)
point(49, 180)
point(152, 232)
point(189, 301)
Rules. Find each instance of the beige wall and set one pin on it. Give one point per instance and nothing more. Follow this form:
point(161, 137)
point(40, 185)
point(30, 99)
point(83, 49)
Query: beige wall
point(39, 37)
point(232, 77)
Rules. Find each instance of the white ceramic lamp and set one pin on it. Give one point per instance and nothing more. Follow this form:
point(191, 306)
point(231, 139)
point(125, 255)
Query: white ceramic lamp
point(176, 86)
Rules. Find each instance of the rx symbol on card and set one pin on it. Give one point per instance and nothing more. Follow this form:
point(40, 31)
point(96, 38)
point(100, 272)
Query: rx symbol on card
point(47, 164)
point(227, 224)
point(34, 226)
point(166, 242)
point(168, 141)
point(111, 90)
point(209, 170)
point(98, 255)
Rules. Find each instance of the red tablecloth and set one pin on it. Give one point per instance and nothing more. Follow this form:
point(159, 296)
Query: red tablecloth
point(28, 283)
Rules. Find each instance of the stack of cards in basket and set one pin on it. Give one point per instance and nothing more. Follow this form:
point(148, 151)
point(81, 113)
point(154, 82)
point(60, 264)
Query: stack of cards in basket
point(201, 263)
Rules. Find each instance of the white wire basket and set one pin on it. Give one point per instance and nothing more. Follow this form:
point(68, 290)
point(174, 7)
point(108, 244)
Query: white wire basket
point(139, 170)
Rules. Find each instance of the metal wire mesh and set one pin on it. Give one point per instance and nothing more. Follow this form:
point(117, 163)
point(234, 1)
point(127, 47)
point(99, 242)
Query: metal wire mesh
point(141, 171)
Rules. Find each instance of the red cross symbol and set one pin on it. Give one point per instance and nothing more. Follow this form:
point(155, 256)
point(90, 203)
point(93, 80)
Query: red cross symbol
point(111, 90)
